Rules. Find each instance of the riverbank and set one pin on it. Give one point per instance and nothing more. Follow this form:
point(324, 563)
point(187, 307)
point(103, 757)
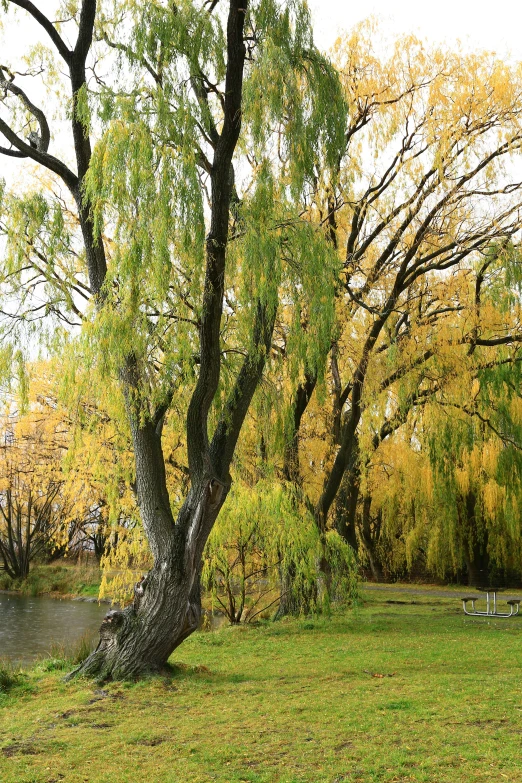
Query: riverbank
point(63, 579)
point(391, 693)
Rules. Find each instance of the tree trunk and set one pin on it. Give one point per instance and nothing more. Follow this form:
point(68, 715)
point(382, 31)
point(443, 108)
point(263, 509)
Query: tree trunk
point(375, 566)
point(346, 506)
point(142, 637)
point(289, 603)
point(295, 599)
point(370, 536)
point(474, 541)
point(477, 566)
point(167, 601)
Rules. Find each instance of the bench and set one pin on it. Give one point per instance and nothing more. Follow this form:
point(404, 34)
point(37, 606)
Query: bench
point(491, 611)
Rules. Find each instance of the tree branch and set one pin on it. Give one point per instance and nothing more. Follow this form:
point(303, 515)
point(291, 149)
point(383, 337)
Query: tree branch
point(247, 381)
point(216, 244)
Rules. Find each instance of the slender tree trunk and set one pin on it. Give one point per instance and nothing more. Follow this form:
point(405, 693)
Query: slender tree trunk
point(347, 501)
point(294, 599)
point(477, 567)
point(474, 541)
point(303, 395)
point(370, 536)
point(289, 603)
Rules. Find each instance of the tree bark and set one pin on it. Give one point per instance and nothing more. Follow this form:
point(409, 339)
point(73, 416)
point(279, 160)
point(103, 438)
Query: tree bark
point(291, 466)
point(167, 601)
point(347, 500)
point(294, 601)
point(370, 535)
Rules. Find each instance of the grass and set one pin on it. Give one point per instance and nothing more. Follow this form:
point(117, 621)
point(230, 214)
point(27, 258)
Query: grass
point(290, 702)
point(61, 578)
point(10, 677)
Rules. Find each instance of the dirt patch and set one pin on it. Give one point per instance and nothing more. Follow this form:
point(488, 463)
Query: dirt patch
point(21, 749)
point(343, 746)
point(99, 695)
point(66, 714)
point(151, 742)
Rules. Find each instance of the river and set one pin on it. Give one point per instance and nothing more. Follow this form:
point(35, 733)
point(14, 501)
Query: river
point(30, 626)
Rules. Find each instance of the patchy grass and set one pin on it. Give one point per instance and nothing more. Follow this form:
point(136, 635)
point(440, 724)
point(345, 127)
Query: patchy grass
point(393, 693)
point(63, 578)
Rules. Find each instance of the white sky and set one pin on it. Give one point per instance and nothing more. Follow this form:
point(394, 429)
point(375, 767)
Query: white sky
point(495, 25)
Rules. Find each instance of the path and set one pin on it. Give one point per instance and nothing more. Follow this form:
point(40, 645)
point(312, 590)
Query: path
point(442, 593)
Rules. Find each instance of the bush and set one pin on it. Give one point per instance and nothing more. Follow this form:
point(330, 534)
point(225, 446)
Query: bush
point(6, 583)
point(265, 551)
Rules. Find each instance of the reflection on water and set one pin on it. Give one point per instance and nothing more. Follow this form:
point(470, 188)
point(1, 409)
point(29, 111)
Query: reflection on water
point(29, 626)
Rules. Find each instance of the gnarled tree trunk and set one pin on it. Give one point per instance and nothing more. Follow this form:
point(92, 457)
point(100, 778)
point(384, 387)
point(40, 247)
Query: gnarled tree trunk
point(167, 601)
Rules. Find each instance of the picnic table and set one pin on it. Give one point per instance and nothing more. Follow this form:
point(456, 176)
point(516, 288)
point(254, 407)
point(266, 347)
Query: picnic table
point(491, 604)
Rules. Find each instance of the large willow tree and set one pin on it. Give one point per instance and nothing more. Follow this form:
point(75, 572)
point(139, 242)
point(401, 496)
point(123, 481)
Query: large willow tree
point(427, 196)
point(169, 228)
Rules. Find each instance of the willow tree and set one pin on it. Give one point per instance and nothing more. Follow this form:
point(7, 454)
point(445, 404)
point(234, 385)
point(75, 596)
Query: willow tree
point(179, 227)
point(426, 184)
point(442, 396)
point(446, 489)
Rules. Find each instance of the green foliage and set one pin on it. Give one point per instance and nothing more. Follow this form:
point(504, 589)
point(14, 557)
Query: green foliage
point(263, 535)
point(83, 110)
point(342, 562)
point(259, 531)
point(145, 183)
point(292, 83)
point(65, 579)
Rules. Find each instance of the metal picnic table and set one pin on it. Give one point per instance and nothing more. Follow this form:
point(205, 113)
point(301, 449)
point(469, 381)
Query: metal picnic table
point(491, 604)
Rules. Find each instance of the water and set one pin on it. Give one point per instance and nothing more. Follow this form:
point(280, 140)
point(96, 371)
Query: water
point(29, 626)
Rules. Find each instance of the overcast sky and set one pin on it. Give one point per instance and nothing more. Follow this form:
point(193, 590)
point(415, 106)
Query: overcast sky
point(495, 25)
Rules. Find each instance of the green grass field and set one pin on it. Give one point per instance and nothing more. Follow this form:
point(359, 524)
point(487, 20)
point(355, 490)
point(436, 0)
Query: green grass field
point(289, 702)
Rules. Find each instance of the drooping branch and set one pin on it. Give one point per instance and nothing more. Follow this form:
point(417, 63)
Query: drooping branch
point(40, 142)
point(44, 158)
point(473, 412)
point(76, 60)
